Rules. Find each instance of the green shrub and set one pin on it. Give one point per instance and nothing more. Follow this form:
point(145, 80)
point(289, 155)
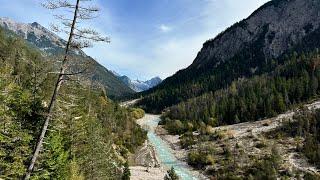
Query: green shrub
point(171, 175)
point(126, 172)
point(187, 140)
point(175, 127)
point(261, 145)
point(137, 113)
point(201, 157)
point(310, 176)
point(267, 168)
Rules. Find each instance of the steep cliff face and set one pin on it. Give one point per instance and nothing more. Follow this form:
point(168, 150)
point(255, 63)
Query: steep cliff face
point(282, 23)
point(250, 47)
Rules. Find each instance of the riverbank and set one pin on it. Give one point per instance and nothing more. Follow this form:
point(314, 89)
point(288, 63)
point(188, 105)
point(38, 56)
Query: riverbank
point(165, 154)
point(140, 173)
point(144, 157)
point(246, 135)
point(181, 154)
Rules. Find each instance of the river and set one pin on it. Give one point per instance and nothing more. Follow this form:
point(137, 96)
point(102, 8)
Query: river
point(163, 150)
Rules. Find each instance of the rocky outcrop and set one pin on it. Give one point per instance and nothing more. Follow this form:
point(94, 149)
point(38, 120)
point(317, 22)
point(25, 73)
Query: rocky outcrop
point(282, 23)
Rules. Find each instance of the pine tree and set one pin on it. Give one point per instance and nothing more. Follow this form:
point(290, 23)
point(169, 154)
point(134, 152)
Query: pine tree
point(171, 175)
point(78, 38)
point(126, 172)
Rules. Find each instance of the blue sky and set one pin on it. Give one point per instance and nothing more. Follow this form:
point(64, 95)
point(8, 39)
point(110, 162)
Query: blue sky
point(148, 37)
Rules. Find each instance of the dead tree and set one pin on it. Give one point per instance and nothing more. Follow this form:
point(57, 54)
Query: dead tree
point(78, 38)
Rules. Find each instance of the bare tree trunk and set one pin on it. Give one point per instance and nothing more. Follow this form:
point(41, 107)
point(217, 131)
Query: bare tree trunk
point(54, 96)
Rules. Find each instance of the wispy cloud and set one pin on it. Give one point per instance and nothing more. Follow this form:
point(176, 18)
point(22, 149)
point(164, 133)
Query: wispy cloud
point(150, 38)
point(165, 28)
point(143, 52)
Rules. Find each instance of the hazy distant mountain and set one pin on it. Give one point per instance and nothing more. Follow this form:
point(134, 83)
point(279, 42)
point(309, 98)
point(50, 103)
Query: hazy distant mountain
point(51, 44)
point(138, 85)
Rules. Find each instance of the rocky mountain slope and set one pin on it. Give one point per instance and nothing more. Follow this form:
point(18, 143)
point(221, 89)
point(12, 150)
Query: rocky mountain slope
point(36, 35)
point(281, 24)
point(51, 44)
point(250, 47)
point(138, 85)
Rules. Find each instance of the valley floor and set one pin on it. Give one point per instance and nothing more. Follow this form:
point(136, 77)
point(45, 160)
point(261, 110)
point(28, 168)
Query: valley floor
point(247, 135)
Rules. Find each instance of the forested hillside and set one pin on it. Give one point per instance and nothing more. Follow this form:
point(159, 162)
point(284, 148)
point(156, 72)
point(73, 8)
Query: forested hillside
point(89, 137)
point(224, 107)
point(254, 46)
point(251, 99)
point(52, 45)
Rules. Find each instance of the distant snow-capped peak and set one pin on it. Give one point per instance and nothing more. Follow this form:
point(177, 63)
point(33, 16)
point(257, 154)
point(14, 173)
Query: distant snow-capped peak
point(138, 85)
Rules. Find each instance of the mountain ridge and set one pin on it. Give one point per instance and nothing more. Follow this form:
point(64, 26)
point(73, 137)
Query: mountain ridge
point(51, 44)
point(35, 34)
point(245, 49)
point(272, 15)
point(138, 85)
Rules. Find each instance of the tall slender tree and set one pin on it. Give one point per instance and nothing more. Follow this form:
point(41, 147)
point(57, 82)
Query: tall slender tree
point(78, 38)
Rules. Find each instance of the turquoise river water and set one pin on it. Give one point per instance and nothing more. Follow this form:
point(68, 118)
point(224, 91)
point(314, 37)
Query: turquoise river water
point(164, 152)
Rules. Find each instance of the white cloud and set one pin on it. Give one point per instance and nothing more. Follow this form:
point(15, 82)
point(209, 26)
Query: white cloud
point(162, 47)
point(164, 28)
point(165, 55)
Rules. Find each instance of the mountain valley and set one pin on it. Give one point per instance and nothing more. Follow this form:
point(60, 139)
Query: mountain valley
point(246, 108)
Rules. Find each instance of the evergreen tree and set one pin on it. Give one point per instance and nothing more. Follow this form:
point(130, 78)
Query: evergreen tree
point(77, 39)
point(253, 98)
point(171, 175)
point(76, 137)
point(126, 172)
